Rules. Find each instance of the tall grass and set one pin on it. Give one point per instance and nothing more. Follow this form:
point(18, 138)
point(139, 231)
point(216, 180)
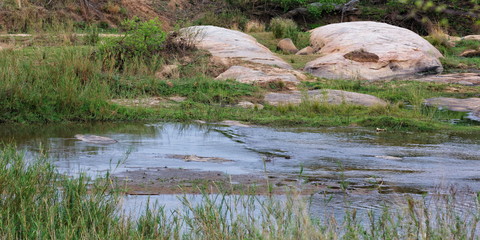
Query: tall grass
point(71, 84)
point(51, 85)
point(36, 202)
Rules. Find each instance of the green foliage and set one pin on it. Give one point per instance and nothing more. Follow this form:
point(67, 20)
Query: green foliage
point(228, 19)
point(92, 38)
point(284, 28)
point(460, 17)
point(142, 40)
point(321, 7)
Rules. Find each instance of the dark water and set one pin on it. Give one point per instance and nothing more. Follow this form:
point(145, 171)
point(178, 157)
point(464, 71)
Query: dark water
point(397, 162)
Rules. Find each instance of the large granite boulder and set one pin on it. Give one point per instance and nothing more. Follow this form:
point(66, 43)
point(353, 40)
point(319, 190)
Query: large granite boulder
point(371, 51)
point(226, 43)
point(325, 96)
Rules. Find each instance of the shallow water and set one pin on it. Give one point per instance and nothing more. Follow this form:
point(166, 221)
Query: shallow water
point(396, 162)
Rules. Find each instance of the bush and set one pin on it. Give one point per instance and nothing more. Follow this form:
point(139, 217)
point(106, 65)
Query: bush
point(284, 28)
point(254, 26)
point(92, 37)
point(142, 40)
point(228, 19)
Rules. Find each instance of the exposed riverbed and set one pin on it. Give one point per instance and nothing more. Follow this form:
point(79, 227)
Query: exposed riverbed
point(373, 167)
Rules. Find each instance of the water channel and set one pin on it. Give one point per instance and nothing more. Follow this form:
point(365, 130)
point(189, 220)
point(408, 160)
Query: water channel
point(393, 162)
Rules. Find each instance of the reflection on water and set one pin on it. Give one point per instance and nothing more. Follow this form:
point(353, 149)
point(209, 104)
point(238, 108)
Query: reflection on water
point(399, 162)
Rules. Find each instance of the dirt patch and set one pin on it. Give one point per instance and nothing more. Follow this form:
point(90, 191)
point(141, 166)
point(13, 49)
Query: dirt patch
point(162, 180)
point(361, 56)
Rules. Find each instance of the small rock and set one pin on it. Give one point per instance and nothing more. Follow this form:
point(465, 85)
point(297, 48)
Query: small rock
point(326, 96)
point(470, 53)
point(306, 51)
point(287, 46)
point(471, 37)
point(246, 104)
point(177, 99)
point(233, 123)
point(380, 130)
point(199, 121)
point(389, 157)
point(168, 71)
point(95, 139)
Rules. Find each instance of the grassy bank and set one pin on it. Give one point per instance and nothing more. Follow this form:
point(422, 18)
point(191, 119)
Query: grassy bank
point(39, 203)
point(58, 84)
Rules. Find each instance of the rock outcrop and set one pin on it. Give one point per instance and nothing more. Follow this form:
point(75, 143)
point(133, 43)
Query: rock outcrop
point(324, 96)
point(371, 51)
point(226, 43)
point(467, 79)
point(454, 104)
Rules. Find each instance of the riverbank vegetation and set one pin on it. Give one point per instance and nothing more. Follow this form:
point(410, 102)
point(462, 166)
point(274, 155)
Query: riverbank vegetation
point(68, 71)
point(38, 202)
point(78, 83)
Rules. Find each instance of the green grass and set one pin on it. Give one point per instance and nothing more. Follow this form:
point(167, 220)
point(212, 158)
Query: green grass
point(452, 62)
point(39, 203)
point(59, 84)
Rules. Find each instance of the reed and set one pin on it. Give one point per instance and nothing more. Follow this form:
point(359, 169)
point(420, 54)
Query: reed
point(38, 202)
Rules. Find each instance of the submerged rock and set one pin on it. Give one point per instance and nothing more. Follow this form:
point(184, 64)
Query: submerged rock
point(233, 123)
point(95, 139)
point(371, 51)
point(195, 158)
point(324, 96)
point(226, 43)
point(454, 104)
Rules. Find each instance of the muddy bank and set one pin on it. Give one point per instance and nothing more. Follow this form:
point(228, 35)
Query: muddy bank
point(164, 180)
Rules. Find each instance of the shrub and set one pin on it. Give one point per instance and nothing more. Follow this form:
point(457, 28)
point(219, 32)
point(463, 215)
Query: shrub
point(284, 28)
point(254, 26)
point(228, 19)
point(92, 37)
point(142, 40)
